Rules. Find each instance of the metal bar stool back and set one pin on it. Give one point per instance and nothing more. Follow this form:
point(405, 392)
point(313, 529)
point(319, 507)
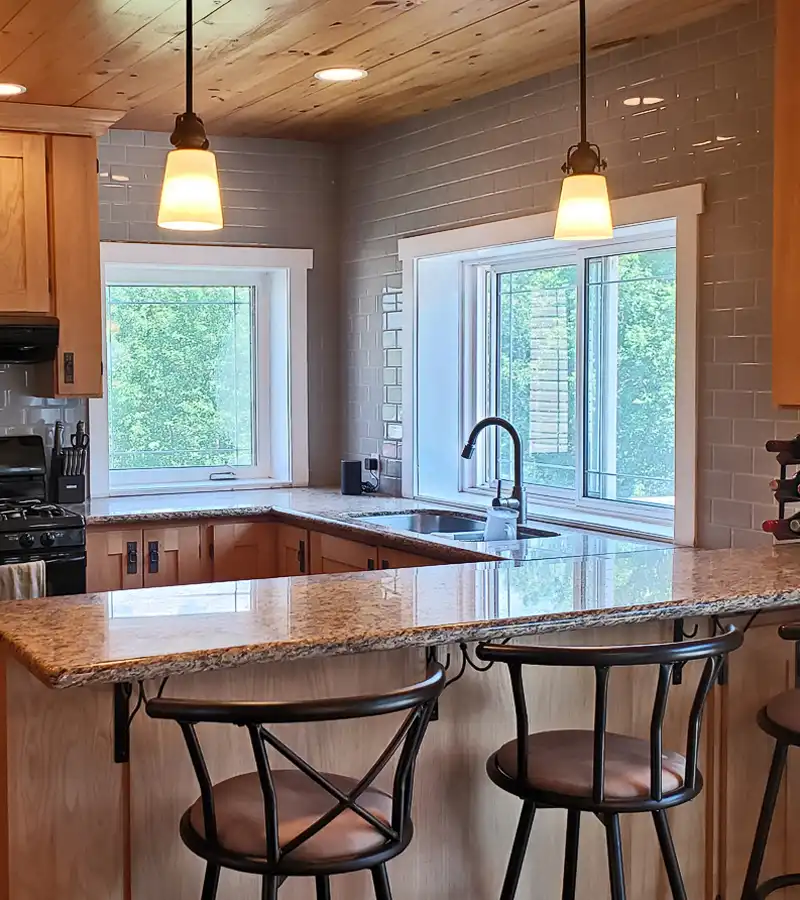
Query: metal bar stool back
point(596, 770)
point(297, 820)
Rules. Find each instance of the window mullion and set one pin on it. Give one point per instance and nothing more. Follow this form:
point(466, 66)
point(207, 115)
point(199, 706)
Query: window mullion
point(581, 344)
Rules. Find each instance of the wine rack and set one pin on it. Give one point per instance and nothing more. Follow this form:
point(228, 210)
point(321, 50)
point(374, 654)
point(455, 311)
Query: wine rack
point(786, 489)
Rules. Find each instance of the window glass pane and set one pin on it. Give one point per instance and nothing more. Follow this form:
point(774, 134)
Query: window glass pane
point(630, 366)
point(535, 369)
point(180, 376)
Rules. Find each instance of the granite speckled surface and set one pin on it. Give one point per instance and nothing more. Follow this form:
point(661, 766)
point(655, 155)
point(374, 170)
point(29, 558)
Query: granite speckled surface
point(129, 635)
point(327, 510)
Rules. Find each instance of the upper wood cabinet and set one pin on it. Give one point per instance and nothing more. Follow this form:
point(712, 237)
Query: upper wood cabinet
point(330, 555)
point(50, 250)
point(24, 258)
point(75, 266)
point(243, 550)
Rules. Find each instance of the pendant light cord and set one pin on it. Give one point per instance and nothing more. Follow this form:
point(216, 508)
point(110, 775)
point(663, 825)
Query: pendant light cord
point(582, 73)
point(189, 85)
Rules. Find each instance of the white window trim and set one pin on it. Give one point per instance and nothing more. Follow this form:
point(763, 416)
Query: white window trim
point(283, 274)
point(685, 205)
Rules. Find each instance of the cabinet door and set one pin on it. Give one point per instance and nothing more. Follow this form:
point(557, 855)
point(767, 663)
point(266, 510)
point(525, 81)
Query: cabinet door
point(113, 559)
point(174, 556)
point(400, 559)
point(75, 253)
point(330, 555)
point(24, 261)
point(243, 550)
point(291, 550)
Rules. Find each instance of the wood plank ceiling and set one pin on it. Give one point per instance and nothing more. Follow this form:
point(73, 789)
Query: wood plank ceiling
point(255, 59)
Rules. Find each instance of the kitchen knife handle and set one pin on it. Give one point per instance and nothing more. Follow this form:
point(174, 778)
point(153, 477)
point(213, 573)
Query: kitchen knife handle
point(152, 557)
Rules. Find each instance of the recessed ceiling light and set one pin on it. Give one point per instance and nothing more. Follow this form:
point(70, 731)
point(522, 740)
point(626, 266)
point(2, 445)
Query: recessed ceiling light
point(642, 101)
point(8, 89)
point(340, 74)
point(726, 137)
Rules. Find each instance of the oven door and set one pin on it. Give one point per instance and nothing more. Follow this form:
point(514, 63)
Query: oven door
point(65, 570)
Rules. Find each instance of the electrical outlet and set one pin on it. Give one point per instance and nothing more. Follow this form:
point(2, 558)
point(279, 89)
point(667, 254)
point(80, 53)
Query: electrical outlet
point(371, 463)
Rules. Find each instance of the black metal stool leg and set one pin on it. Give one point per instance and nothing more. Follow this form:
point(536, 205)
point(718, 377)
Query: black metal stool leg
point(323, 887)
point(673, 868)
point(210, 882)
point(571, 854)
point(616, 872)
point(380, 881)
point(518, 849)
point(269, 887)
point(765, 820)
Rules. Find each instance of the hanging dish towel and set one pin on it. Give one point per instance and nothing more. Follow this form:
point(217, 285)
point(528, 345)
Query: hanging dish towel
point(23, 581)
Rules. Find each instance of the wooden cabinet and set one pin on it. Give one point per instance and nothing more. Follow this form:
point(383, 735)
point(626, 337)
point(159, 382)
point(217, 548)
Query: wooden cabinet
point(24, 260)
point(389, 558)
point(243, 550)
point(50, 251)
point(291, 550)
point(113, 559)
point(330, 555)
point(174, 556)
point(153, 557)
point(75, 266)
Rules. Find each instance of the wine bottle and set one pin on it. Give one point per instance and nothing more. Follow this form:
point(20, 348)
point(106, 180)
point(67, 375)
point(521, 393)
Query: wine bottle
point(787, 490)
point(783, 529)
point(791, 447)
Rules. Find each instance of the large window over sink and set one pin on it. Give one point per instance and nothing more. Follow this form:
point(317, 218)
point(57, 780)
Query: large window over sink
point(578, 346)
point(205, 369)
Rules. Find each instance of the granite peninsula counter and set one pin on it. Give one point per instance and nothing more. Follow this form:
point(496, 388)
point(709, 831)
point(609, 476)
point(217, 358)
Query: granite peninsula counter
point(116, 823)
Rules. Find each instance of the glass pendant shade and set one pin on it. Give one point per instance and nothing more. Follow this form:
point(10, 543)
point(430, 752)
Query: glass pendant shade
point(584, 212)
point(190, 197)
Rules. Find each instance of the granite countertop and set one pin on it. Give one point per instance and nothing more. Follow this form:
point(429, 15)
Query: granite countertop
point(327, 509)
point(139, 634)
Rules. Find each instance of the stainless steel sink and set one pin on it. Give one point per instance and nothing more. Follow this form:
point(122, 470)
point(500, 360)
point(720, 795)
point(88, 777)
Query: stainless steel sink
point(457, 526)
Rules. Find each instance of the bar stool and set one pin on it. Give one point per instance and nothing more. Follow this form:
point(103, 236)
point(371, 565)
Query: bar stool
point(780, 719)
point(598, 771)
point(298, 821)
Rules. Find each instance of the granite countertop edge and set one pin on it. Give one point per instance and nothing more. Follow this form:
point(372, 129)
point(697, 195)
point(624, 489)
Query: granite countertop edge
point(423, 636)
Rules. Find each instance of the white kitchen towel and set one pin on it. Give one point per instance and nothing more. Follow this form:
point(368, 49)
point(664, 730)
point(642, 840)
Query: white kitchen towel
point(23, 581)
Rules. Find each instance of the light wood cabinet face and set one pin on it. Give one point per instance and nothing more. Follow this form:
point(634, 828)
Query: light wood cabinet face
point(331, 555)
point(243, 550)
point(401, 559)
point(174, 556)
point(113, 559)
point(291, 550)
point(24, 259)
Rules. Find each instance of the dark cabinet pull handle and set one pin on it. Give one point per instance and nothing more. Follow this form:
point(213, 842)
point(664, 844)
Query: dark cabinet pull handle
point(132, 558)
point(152, 557)
point(301, 557)
point(370, 564)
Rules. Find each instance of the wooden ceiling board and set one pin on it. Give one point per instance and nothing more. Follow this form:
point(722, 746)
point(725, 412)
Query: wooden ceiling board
point(255, 59)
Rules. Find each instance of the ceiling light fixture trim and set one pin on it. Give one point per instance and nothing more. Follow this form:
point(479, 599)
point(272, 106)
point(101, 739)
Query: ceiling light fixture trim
point(341, 73)
point(11, 89)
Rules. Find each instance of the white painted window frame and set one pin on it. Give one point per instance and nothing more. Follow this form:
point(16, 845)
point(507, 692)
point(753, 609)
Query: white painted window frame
point(281, 361)
point(684, 205)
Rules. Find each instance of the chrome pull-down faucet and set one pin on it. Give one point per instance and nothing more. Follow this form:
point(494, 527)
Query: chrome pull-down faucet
point(517, 499)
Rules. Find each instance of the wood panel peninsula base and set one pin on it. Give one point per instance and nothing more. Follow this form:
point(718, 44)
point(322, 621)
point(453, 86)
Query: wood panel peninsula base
point(76, 825)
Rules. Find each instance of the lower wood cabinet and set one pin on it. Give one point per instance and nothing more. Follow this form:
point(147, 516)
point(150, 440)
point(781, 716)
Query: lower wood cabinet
point(401, 559)
point(242, 550)
point(291, 550)
point(149, 557)
point(330, 555)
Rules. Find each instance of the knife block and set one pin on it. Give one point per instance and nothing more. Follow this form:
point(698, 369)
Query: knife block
point(70, 489)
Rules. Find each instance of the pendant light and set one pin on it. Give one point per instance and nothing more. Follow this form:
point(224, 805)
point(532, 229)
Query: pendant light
point(190, 199)
point(584, 213)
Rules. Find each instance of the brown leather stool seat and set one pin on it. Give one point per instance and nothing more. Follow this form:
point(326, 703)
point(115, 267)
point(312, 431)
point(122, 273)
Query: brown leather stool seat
point(784, 710)
point(560, 762)
point(239, 809)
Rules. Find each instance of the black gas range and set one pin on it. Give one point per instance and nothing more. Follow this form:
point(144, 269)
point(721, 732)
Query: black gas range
point(31, 528)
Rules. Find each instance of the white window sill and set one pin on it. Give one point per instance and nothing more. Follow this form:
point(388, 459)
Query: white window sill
point(194, 487)
point(573, 517)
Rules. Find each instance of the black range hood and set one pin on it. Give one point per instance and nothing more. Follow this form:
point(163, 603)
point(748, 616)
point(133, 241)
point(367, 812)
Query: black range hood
point(27, 338)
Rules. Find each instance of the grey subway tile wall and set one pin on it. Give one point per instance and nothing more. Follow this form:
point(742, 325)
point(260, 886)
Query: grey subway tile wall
point(274, 193)
point(499, 156)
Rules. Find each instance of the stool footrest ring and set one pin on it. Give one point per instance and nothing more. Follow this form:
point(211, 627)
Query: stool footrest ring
point(775, 884)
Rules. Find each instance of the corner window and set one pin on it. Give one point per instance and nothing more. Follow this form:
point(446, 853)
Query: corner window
point(197, 373)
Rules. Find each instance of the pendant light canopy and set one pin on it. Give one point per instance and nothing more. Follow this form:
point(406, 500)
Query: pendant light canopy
point(584, 212)
point(190, 198)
